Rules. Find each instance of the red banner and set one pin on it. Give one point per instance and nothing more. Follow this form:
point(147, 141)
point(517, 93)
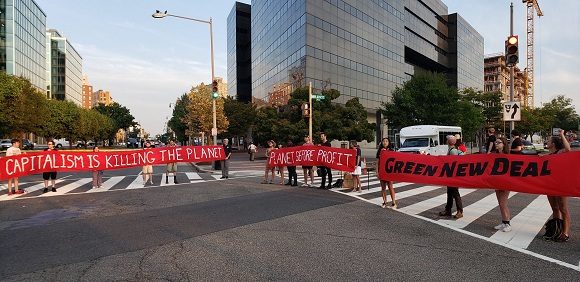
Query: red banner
point(334, 158)
point(556, 175)
point(33, 163)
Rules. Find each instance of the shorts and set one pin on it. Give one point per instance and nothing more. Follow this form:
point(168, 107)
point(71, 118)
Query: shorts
point(147, 169)
point(357, 170)
point(49, 175)
point(172, 167)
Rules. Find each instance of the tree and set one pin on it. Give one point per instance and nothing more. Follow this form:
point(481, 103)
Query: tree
point(241, 116)
point(561, 113)
point(63, 121)
point(120, 116)
point(424, 99)
point(178, 122)
point(199, 117)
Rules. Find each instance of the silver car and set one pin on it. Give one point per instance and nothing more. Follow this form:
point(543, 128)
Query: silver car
point(5, 144)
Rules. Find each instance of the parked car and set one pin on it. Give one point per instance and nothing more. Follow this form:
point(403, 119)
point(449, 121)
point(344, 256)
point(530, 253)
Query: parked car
point(528, 145)
point(60, 143)
point(132, 143)
point(575, 143)
point(27, 145)
point(5, 144)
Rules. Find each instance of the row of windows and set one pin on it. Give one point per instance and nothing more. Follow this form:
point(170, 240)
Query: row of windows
point(282, 66)
point(367, 19)
point(355, 39)
point(260, 34)
point(352, 65)
point(387, 7)
point(280, 40)
point(422, 27)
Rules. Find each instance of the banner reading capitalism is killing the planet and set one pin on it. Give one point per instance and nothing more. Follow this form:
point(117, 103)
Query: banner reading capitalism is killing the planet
point(334, 158)
point(33, 163)
point(556, 175)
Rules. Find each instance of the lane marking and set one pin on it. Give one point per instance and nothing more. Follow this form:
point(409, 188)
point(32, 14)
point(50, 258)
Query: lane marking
point(526, 225)
point(431, 203)
point(476, 210)
point(108, 184)
point(67, 188)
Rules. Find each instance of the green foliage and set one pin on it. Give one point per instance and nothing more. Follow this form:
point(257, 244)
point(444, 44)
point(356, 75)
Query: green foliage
point(241, 116)
point(199, 117)
point(424, 99)
point(561, 113)
point(178, 123)
point(120, 116)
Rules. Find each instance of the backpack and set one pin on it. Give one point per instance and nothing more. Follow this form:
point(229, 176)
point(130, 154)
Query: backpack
point(553, 229)
point(338, 184)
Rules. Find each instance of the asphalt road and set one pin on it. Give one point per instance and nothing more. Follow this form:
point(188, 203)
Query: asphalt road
point(240, 230)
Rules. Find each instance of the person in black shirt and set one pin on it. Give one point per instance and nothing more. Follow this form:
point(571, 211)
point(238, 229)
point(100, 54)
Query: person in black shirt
point(490, 143)
point(292, 175)
point(49, 175)
point(517, 145)
point(325, 170)
point(226, 163)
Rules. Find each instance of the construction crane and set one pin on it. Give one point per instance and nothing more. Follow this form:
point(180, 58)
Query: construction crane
point(531, 5)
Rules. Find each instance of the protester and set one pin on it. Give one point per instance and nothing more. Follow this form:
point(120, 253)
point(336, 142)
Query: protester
point(226, 162)
point(386, 146)
point(307, 170)
point(49, 175)
point(490, 143)
point(517, 145)
point(171, 167)
point(292, 175)
point(97, 174)
point(269, 169)
point(252, 150)
point(453, 192)
point(147, 169)
point(357, 170)
point(326, 171)
point(558, 228)
point(280, 168)
point(13, 182)
point(501, 147)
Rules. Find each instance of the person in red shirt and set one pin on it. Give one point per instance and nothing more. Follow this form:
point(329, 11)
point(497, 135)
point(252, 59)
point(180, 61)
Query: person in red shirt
point(459, 144)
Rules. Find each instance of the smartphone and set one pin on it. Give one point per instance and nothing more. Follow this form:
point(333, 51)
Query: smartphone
point(556, 131)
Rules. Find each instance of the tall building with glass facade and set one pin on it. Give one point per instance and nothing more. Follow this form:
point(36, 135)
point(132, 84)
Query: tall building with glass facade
point(66, 74)
point(364, 49)
point(23, 40)
point(239, 53)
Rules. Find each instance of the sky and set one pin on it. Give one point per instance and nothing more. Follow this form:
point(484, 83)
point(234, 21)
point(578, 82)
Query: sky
point(148, 63)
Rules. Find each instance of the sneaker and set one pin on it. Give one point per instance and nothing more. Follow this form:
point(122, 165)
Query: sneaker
point(499, 226)
point(45, 190)
point(304, 185)
point(506, 228)
point(384, 205)
point(53, 189)
point(94, 187)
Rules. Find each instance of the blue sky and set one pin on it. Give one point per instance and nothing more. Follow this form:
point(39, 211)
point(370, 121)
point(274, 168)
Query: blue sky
point(147, 63)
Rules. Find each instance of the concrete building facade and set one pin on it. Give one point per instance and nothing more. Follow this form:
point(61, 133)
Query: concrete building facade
point(66, 74)
point(497, 78)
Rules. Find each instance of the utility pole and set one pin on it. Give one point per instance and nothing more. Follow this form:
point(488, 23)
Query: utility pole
point(513, 66)
point(311, 113)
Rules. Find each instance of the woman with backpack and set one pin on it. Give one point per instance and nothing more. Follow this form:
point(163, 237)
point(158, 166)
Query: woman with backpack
point(558, 228)
point(386, 146)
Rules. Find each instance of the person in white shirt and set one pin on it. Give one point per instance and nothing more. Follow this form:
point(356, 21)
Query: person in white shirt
point(13, 182)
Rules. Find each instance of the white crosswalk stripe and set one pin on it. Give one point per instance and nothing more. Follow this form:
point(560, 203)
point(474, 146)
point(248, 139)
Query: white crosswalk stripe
point(108, 184)
point(69, 187)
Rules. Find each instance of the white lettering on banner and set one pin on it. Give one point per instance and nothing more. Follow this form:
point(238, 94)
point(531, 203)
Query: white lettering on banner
point(7, 166)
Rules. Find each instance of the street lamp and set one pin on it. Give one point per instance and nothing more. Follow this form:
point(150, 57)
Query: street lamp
point(160, 15)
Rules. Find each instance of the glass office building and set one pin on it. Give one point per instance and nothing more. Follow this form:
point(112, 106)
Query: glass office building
point(239, 53)
point(66, 75)
point(23, 40)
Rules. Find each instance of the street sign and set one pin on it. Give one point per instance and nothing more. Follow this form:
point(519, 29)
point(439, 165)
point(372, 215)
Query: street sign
point(512, 111)
point(318, 97)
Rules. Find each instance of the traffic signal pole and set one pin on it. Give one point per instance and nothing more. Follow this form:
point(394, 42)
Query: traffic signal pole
point(214, 129)
point(311, 112)
point(513, 66)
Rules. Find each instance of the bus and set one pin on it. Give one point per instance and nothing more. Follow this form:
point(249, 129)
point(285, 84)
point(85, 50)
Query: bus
point(426, 139)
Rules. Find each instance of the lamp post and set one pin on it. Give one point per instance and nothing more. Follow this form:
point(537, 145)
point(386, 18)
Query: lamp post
point(160, 15)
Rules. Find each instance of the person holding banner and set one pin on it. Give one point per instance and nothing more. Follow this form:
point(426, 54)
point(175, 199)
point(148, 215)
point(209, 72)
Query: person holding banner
point(517, 145)
point(386, 146)
point(171, 167)
point(97, 174)
point(357, 170)
point(501, 147)
point(453, 192)
point(13, 182)
point(292, 175)
point(559, 205)
point(147, 169)
point(49, 175)
point(325, 170)
point(307, 170)
point(269, 169)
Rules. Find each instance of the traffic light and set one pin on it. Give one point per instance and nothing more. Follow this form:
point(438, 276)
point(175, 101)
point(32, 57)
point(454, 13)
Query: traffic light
point(511, 51)
point(305, 110)
point(214, 90)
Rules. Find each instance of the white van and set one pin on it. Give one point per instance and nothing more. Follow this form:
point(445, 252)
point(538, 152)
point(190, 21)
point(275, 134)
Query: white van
point(426, 139)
